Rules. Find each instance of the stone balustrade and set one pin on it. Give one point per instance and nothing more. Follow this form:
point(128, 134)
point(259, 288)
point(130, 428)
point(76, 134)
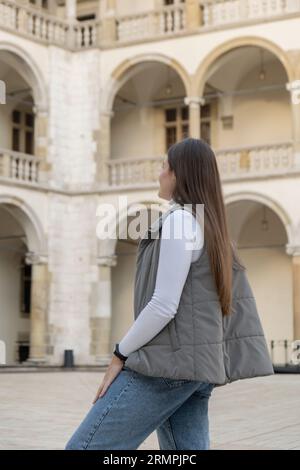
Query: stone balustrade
point(18, 166)
point(237, 163)
point(158, 23)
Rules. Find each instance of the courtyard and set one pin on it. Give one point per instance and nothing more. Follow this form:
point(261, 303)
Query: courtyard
point(40, 410)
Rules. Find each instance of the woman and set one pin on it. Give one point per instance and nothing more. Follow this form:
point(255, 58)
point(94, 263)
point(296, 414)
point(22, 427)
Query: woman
point(196, 323)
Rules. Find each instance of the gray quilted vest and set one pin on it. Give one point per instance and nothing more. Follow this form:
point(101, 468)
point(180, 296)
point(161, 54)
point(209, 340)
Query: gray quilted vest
point(199, 343)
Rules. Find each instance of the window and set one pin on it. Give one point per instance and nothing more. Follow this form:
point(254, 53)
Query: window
point(25, 290)
point(89, 17)
point(173, 2)
point(176, 124)
point(22, 131)
point(206, 123)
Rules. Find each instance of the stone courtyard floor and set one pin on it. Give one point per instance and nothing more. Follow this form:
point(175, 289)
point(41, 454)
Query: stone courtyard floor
point(40, 410)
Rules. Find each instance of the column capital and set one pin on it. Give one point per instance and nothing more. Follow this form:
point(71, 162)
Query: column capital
point(194, 101)
point(294, 88)
point(35, 258)
point(39, 109)
point(107, 260)
point(293, 250)
point(107, 113)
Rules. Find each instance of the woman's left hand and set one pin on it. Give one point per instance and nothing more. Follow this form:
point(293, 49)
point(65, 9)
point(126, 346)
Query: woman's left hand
point(112, 372)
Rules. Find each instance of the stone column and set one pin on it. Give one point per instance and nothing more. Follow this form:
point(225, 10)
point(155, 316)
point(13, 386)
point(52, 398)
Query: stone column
point(39, 307)
point(109, 26)
point(41, 141)
point(70, 15)
point(101, 309)
point(103, 153)
point(101, 7)
point(70, 10)
point(194, 103)
point(294, 89)
point(294, 251)
point(193, 14)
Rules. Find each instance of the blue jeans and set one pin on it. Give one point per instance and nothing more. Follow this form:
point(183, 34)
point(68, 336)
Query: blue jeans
point(135, 405)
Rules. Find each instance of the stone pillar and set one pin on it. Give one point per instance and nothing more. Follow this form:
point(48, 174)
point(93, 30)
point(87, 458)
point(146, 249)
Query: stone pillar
point(103, 153)
point(294, 89)
point(193, 15)
point(294, 251)
point(70, 10)
point(39, 307)
point(100, 10)
point(41, 141)
point(70, 15)
point(109, 26)
point(194, 103)
point(101, 309)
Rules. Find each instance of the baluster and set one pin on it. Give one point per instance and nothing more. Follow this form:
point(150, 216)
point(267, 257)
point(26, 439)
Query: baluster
point(33, 171)
point(128, 173)
point(36, 26)
point(30, 23)
point(161, 23)
point(84, 35)
point(93, 35)
point(123, 179)
point(285, 6)
point(224, 12)
point(170, 21)
point(176, 17)
point(117, 173)
point(110, 174)
point(14, 167)
point(88, 35)
point(22, 169)
point(50, 31)
point(116, 169)
point(28, 164)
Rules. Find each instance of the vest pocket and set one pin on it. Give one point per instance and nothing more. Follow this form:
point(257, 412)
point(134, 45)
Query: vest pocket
point(173, 335)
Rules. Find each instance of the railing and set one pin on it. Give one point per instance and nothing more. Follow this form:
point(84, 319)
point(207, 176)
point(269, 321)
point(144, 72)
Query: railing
point(47, 28)
point(237, 163)
point(157, 23)
point(86, 34)
point(222, 12)
point(285, 353)
point(133, 171)
point(168, 20)
point(258, 161)
point(19, 166)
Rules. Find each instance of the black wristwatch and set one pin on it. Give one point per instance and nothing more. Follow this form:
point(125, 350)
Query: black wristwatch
point(117, 353)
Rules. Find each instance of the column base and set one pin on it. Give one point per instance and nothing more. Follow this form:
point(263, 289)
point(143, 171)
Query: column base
point(103, 359)
point(36, 361)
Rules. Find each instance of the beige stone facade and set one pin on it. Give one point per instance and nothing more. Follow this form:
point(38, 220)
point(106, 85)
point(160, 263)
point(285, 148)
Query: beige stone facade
point(96, 91)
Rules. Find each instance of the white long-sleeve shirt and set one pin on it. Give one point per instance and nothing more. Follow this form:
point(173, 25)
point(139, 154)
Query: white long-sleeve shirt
point(180, 246)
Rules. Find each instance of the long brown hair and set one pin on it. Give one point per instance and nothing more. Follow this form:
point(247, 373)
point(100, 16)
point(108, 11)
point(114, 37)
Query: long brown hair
point(198, 182)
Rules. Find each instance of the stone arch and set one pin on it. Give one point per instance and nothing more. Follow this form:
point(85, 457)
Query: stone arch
point(23, 213)
point(126, 69)
point(267, 201)
point(107, 247)
point(199, 78)
point(23, 62)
